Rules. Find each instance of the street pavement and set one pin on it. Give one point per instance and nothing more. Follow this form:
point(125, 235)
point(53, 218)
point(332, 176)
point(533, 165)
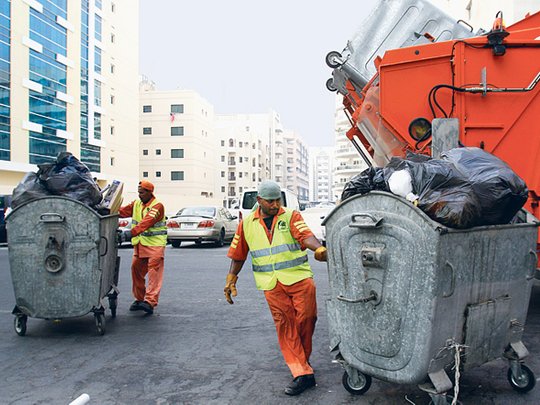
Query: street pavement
point(197, 349)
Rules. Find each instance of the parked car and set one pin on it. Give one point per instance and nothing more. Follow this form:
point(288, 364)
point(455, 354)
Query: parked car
point(124, 226)
point(203, 223)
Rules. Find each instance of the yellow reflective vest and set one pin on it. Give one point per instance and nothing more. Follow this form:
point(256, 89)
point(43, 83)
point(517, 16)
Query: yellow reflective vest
point(281, 260)
point(153, 236)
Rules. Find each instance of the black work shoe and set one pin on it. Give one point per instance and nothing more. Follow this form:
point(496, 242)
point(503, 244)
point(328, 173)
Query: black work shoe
point(300, 384)
point(136, 306)
point(146, 307)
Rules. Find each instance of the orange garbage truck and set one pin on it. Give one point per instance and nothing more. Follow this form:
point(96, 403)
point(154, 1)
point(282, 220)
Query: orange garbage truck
point(413, 79)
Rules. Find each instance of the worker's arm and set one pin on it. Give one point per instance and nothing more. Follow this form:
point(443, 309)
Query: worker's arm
point(232, 277)
point(238, 252)
point(301, 232)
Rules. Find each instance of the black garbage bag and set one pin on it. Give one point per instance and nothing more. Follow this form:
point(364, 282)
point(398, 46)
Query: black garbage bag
point(28, 189)
point(364, 182)
point(69, 177)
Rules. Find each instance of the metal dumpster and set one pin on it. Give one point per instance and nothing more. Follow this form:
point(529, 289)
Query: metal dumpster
point(63, 260)
point(407, 294)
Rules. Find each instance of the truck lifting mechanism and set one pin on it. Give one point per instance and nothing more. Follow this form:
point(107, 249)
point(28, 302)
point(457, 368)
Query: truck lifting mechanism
point(432, 91)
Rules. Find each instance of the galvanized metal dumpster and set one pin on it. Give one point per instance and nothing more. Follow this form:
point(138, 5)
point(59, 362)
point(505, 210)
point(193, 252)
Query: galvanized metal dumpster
point(63, 261)
point(407, 293)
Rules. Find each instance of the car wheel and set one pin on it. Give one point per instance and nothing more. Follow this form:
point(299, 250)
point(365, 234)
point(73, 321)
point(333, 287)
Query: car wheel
point(176, 243)
point(221, 241)
point(198, 242)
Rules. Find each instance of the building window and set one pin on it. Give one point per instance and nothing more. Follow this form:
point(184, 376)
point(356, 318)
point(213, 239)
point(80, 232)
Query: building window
point(112, 99)
point(158, 174)
point(113, 7)
point(112, 68)
point(222, 189)
point(145, 174)
point(147, 109)
point(223, 158)
point(231, 143)
point(158, 152)
point(145, 152)
point(177, 153)
point(112, 161)
point(177, 108)
point(112, 38)
point(98, 27)
point(222, 143)
point(147, 131)
point(222, 174)
point(177, 175)
point(112, 130)
point(177, 131)
point(240, 144)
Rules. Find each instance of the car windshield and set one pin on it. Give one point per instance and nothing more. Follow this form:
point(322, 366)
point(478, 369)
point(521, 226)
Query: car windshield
point(208, 212)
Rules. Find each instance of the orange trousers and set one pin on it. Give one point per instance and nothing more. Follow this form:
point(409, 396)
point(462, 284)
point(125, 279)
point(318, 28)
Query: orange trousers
point(140, 267)
point(294, 309)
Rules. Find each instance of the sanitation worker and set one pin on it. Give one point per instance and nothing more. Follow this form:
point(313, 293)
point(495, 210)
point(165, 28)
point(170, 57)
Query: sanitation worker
point(277, 238)
point(149, 238)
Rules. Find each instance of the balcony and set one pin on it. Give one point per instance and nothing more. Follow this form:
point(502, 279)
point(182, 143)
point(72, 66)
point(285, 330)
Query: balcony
point(232, 162)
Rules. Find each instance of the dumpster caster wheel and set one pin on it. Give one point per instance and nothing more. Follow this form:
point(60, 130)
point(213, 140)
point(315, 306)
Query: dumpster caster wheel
point(112, 306)
point(100, 323)
point(523, 382)
point(20, 324)
point(358, 387)
point(331, 61)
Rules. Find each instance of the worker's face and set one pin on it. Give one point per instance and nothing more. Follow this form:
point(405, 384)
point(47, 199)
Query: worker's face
point(269, 207)
point(144, 195)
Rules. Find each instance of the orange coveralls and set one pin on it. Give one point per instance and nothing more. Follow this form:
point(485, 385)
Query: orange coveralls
point(146, 259)
point(293, 307)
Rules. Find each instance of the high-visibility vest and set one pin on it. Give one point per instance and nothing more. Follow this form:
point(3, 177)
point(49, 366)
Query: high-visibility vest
point(282, 260)
point(153, 236)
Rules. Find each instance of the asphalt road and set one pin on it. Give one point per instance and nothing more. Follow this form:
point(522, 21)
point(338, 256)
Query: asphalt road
point(197, 349)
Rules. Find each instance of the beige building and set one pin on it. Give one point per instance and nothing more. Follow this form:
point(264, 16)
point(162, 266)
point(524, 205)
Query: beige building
point(178, 149)
point(69, 84)
point(244, 152)
point(321, 168)
point(296, 165)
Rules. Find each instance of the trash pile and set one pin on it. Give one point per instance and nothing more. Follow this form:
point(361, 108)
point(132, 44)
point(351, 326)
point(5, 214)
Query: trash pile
point(466, 187)
point(66, 176)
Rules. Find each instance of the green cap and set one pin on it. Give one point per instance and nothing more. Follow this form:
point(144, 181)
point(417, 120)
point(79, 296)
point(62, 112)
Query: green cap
point(269, 190)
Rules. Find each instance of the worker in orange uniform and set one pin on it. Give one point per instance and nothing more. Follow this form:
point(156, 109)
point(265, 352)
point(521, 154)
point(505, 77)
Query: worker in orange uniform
point(276, 238)
point(149, 238)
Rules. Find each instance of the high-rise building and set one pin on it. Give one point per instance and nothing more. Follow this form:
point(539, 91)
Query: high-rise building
point(322, 165)
point(69, 83)
point(178, 148)
point(296, 165)
point(244, 152)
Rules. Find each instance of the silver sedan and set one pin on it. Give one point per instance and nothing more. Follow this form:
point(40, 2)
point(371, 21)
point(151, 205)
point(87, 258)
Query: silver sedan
point(201, 223)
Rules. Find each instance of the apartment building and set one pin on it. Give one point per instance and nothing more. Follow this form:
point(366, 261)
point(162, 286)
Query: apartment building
point(321, 168)
point(178, 147)
point(69, 83)
point(244, 152)
point(296, 165)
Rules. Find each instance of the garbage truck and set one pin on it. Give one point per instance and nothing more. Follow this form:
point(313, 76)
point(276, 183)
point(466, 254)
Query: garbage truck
point(407, 305)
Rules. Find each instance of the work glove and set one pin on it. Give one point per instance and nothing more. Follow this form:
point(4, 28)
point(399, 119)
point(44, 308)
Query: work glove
point(230, 287)
point(321, 254)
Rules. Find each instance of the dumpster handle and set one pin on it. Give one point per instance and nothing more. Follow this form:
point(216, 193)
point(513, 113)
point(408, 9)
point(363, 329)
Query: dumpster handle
point(51, 217)
point(371, 297)
point(376, 222)
point(106, 245)
point(452, 280)
point(535, 258)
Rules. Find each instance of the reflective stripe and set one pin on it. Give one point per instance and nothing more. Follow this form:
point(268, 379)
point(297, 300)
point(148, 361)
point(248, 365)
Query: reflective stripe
point(280, 266)
point(156, 225)
point(276, 249)
point(153, 233)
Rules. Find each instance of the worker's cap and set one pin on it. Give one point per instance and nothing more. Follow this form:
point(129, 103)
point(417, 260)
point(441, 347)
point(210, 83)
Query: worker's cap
point(146, 185)
point(269, 190)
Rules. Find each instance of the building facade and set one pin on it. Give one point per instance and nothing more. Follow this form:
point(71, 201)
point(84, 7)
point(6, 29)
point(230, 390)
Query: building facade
point(178, 147)
point(69, 83)
point(321, 168)
point(296, 165)
point(244, 153)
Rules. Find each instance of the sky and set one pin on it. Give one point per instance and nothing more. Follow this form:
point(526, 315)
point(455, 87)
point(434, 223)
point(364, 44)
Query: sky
point(248, 56)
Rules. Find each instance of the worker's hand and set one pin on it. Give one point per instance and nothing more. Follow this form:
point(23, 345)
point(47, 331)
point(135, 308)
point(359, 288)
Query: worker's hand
point(321, 254)
point(230, 287)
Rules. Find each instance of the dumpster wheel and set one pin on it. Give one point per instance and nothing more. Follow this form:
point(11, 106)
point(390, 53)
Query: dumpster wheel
point(358, 387)
point(100, 323)
point(523, 382)
point(20, 324)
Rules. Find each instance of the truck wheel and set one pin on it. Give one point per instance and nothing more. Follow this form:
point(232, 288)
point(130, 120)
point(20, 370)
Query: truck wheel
point(20, 324)
point(524, 382)
point(356, 388)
